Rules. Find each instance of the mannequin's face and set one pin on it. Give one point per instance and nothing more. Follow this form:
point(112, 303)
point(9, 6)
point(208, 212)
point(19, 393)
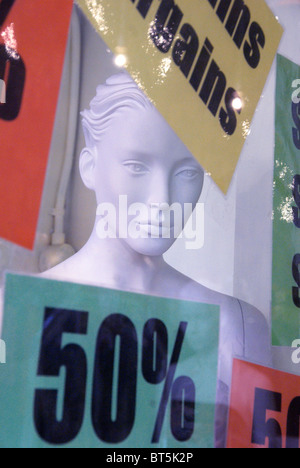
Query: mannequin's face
point(140, 157)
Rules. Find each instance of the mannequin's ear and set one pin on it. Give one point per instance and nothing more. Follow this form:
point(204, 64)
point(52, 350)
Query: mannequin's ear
point(87, 167)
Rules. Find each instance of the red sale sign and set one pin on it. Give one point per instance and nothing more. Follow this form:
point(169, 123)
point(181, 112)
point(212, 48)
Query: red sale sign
point(264, 408)
point(33, 37)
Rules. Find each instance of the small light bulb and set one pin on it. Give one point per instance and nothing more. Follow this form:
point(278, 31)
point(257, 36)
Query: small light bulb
point(120, 60)
point(237, 104)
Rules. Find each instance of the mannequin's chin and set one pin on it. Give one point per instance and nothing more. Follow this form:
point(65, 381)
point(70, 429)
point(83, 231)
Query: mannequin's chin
point(150, 247)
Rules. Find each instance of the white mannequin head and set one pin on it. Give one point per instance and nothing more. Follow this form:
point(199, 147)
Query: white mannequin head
point(131, 151)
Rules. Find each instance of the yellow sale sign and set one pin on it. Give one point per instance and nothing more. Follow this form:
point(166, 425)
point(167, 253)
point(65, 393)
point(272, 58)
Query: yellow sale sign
point(203, 63)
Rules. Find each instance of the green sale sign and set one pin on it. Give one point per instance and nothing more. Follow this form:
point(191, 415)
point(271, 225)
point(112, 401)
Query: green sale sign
point(286, 234)
point(92, 367)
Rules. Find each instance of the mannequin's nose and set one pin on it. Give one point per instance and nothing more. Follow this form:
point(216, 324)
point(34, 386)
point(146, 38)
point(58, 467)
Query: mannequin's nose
point(160, 212)
point(159, 198)
point(159, 191)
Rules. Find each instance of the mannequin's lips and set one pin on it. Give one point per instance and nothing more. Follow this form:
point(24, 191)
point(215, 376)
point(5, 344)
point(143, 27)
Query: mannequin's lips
point(156, 230)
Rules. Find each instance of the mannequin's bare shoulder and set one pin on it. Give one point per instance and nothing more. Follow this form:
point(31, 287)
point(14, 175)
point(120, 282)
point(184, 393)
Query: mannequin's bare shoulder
point(237, 315)
point(69, 271)
point(186, 288)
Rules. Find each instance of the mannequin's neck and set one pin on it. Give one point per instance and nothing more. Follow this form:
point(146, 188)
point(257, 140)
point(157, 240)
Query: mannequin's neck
point(129, 269)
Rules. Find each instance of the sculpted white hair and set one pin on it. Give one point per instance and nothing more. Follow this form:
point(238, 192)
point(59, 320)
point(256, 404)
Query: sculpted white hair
point(120, 91)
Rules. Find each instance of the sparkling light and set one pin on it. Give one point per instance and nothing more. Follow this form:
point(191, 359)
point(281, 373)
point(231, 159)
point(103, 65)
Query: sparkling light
point(237, 104)
point(120, 60)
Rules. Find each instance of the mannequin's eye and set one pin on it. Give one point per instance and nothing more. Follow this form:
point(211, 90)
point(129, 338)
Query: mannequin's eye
point(136, 168)
point(188, 174)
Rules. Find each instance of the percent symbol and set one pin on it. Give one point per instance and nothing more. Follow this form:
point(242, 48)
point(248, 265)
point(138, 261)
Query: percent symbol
point(182, 390)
